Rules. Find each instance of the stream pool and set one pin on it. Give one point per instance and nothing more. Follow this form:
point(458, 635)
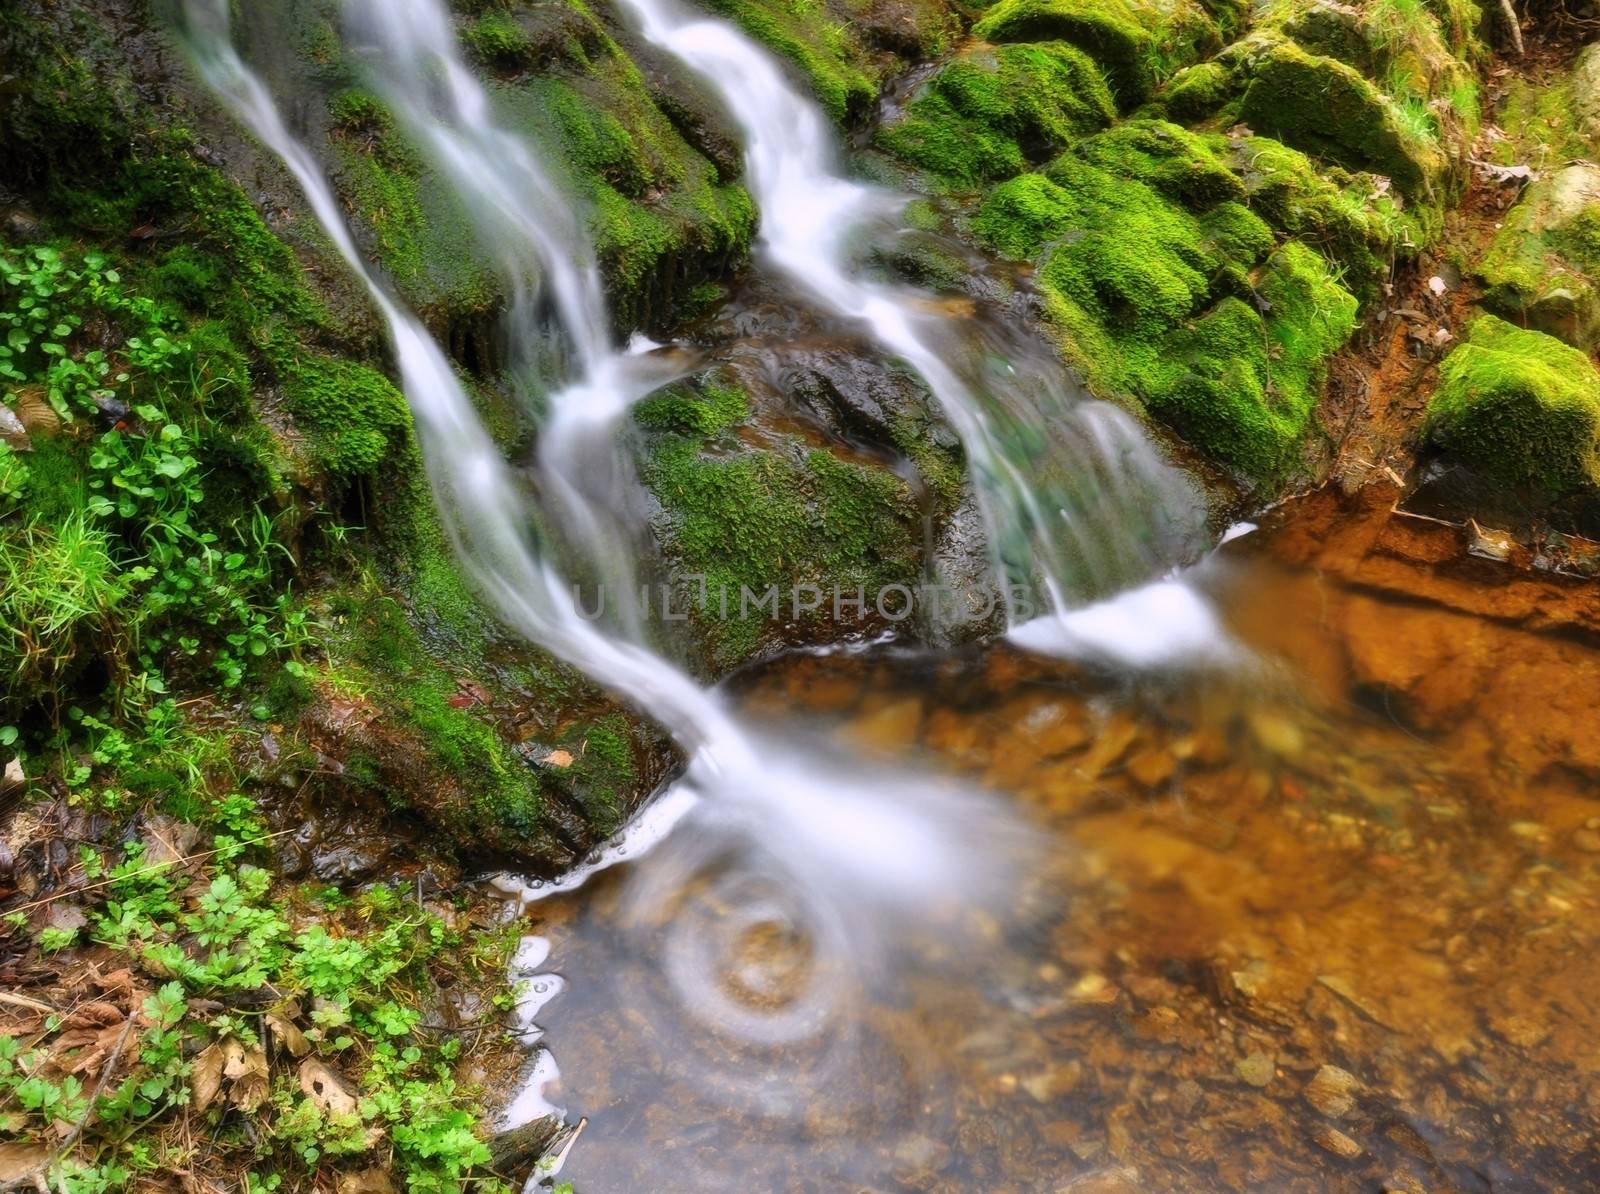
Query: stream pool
point(1322, 920)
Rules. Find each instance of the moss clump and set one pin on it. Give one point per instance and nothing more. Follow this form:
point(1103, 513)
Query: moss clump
point(355, 417)
point(497, 40)
point(1242, 385)
point(1166, 289)
point(993, 110)
point(1521, 407)
point(1185, 166)
point(663, 220)
point(1344, 215)
point(1137, 42)
point(1327, 108)
point(704, 407)
point(1541, 266)
point(822, 46)
point(768, 518)
point(1197, 92)
point(418, 230)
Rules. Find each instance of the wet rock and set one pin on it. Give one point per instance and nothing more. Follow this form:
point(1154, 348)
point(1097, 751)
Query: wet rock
point(1333, 1091)
point(1256, 1069)
point(1337, 1143)
point(1052, 1083)
point(1276, 732)
point(1152, 768)
point(1121, 1180)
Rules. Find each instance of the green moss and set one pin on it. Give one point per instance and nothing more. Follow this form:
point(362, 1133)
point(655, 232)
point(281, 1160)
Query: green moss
point(497, 40)
point(1165, 289)
point(1183, 165)
point(705, 406)
point(1021, 216)
point(496, 798)
point(1138, 42)
point(991, 111)
point(1540, 267)
point(1327, 108)
point(1198, 91)
point(663, 220)
point(1343, 215)
point(355, 417)
point(1521, 407)
point(822, 47)
point(758, 518)
point(603, 775)
point(419, 232)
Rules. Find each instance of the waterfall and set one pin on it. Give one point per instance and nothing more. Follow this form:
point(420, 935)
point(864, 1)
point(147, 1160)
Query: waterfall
point(1074, 498)
point(843, 833)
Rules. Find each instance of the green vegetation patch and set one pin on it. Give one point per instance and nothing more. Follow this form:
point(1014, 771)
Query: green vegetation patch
point(1137, 42)
point(1327, 108)
point(663, 220)
point(1164, 287)
point(767, 517)
point(1521, 407)
point(283, 1024)
point(823, 47)
point(993, 110)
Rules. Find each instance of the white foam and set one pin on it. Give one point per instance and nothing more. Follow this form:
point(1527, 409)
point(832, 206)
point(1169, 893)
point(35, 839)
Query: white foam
point(1160, 625)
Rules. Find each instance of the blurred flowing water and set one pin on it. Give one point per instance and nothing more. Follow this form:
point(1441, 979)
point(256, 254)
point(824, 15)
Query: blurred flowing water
point(848, 948)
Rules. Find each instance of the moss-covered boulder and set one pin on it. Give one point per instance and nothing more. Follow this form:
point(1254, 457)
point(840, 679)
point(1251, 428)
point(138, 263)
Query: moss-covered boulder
point(1165, 288)
point(761, 526)
point(1520, 407)
point(846, 49)
point(1540, 267)
point(1137, 42)
point(1329, 109)
point(993, 110)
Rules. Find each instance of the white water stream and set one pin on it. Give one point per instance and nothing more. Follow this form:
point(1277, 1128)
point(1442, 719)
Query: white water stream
point(858, 852)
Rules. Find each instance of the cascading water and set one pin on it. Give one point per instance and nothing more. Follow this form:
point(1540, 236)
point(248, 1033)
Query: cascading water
point(1074, 498)
point(852, 855)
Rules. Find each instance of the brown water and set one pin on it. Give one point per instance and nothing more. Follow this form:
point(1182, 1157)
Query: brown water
point(1376, 848)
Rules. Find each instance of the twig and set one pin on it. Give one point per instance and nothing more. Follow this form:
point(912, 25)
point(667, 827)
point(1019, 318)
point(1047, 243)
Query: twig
point(1514, 25)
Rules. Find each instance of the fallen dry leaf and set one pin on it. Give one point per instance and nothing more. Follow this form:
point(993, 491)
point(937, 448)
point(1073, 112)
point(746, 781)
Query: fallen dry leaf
point(366, 1181)
point(206, 1076)
point(287, 1035)
point(248, 1070)
point(15, 777)
point(326, 1088)
point(18, 1161)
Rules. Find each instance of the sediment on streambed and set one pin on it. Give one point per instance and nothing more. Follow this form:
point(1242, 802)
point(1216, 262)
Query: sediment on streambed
point(227, 598)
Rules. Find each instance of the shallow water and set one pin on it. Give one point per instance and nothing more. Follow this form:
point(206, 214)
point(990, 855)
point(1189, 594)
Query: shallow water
point(1371, 846)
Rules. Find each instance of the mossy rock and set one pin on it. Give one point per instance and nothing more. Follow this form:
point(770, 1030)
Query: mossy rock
point(1540, 267)
point(819, 44)
point(993, 110)
point(664, 220)
point(1346, 216)
point(1521, 407)
point(1137, 42)
point(1242, 382)
point(1198, 92)
point(777, 514)
point(1327, 108)
point(1166, 290)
